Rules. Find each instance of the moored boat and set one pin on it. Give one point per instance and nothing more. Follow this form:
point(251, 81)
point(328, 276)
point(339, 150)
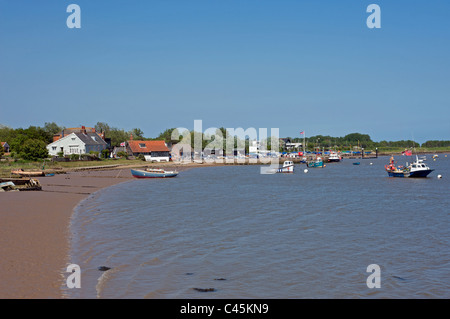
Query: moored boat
point(21, 172)
point(288, 167)
point(334, 157)
point(318, 162)
point(416, 169)
point(153, 173)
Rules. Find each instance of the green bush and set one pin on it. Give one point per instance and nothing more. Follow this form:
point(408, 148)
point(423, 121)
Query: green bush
point(122, 154)
point(94, 153)
point(105, 153)
point(34, 149)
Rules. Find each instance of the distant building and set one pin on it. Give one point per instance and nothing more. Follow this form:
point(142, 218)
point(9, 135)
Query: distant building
point(152, 150)
point(77, 141)
point(5, 147)
point(84, 129)
point(180, 152)
point(117, 150)
point(293, 146)
point(213, 152)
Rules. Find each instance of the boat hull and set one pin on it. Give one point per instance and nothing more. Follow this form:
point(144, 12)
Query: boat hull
point(27, 174)
point(144, 174)
point(315, 164)
point(417, 174)
point(423, 173)
point(289, 169)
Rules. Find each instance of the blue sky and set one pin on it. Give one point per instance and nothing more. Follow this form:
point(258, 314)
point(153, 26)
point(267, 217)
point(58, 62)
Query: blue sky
point(294, 65)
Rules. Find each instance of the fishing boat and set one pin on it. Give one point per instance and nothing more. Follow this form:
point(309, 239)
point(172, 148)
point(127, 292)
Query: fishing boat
point(288, 167)
point(334, 157)
point(318, 162)
point(416, 169)
point(153, 173)
point(21, 172)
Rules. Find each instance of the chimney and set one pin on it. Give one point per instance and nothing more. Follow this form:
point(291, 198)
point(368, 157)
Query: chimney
point(131, 137)
point(83, 129)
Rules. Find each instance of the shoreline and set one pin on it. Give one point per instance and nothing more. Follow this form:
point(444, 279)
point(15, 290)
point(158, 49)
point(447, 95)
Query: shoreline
point(35, 235)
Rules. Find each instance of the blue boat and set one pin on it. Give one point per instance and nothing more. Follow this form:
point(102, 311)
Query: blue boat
point(318, 162)
point(356, 163)
point(153, 173)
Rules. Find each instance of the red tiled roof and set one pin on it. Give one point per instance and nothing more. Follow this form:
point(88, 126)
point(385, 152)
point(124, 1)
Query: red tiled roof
point(147, 146)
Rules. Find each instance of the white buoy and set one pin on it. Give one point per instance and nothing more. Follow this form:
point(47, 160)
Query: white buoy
point(371, 163)
point(305, 170)
point(439, 176)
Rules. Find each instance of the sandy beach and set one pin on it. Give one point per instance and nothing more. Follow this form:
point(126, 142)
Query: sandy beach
point(35, 230)
point(34, 236)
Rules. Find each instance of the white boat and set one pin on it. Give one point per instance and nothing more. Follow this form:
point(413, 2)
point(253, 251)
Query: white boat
point(334, 157)
point(288, 167)
point(416, 169)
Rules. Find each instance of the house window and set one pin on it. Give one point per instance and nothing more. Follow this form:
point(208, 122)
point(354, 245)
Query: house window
point(54, 148)
point(142, 145)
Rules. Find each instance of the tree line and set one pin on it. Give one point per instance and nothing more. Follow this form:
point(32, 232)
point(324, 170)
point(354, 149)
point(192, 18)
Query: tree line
point(30, 143)
point(364, 141)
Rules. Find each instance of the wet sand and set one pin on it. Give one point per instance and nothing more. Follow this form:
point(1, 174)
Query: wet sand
point(34, 232)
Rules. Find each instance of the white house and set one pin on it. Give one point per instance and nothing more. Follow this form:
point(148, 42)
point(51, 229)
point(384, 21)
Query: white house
point(77, 143)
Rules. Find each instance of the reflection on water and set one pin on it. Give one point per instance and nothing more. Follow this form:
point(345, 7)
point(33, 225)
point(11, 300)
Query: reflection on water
point(267, 236)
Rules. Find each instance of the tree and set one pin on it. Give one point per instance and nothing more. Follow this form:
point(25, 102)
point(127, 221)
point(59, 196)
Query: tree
point(137, 133)
point(52, 128)
point(102, 127)
point(33, 149)
point(118, 136)
point(168, 134)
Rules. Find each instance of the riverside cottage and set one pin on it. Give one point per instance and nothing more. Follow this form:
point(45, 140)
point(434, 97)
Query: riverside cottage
point(77, 141)
point(152, 150)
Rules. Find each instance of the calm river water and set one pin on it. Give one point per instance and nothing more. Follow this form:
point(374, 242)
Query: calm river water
point(247, 235)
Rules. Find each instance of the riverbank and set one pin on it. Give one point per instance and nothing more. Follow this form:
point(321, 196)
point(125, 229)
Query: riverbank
point(35, 231)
